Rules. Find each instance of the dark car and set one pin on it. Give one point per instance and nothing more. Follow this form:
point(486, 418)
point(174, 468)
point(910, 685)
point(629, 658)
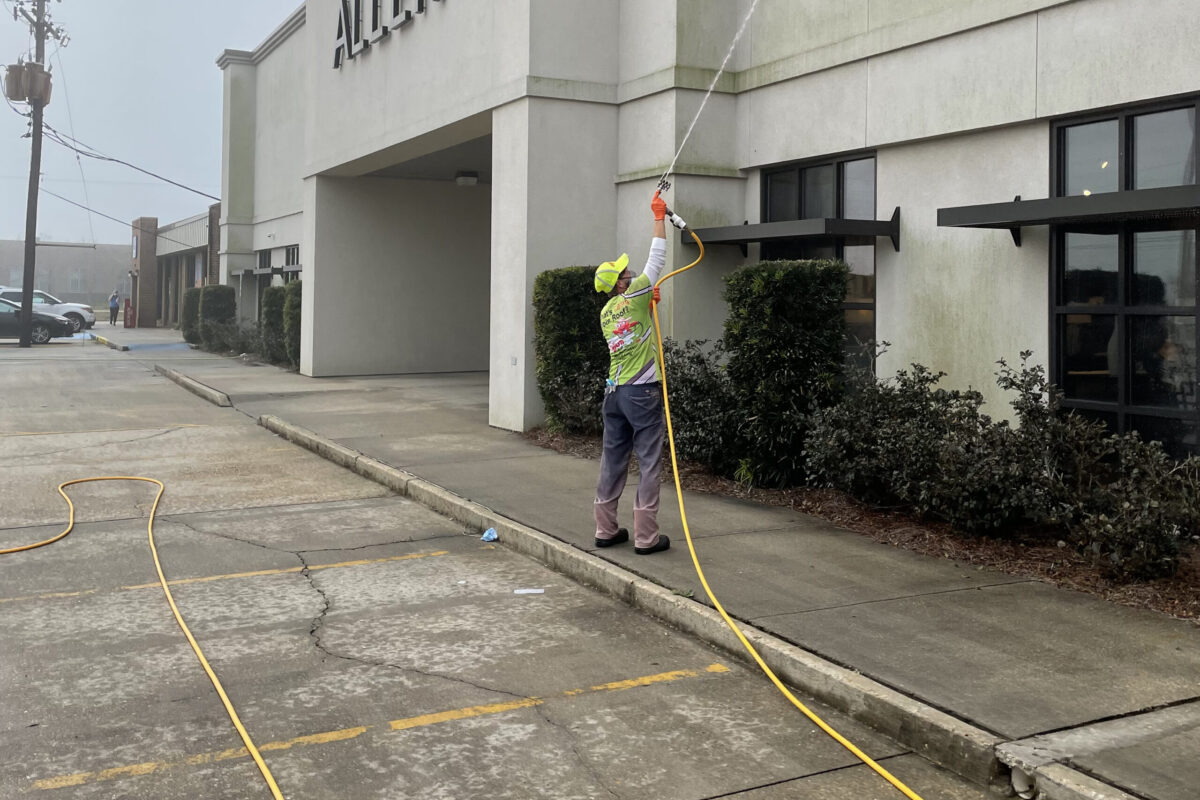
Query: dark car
point(45, 326)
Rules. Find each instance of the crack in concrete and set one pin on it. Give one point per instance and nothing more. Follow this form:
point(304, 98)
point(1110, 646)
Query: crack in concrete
point(314, 632)
point(381, 544)
point(92, 446)
point(583, 762)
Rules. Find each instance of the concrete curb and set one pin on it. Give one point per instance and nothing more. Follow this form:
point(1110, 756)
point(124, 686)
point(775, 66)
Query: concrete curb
point(208, 393)
point(956, 745)
point(107, 343)
point(1060, 782)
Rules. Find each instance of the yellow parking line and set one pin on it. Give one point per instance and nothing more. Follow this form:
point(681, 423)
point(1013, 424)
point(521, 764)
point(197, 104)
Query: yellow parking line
point(345, 734)
point(257, 573)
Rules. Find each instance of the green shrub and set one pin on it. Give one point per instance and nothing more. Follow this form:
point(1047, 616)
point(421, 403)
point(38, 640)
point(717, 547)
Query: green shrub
point(571, 359)
point(902, 440)
point(189, 319)
point(1143, 507)
point(784, 337)
point(703, 406)
point(291, 322)
point(271, 345)
point(218, 310)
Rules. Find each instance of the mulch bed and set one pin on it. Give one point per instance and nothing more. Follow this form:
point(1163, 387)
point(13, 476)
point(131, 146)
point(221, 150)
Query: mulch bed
point(1034, 554)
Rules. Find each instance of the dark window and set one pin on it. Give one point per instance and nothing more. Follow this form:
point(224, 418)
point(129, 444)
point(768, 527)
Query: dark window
point(830, 188)
point(1124, 302)
point(291, 255)
point(264, 259)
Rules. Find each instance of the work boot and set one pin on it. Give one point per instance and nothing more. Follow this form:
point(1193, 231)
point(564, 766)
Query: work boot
point(620, 537)
point(663, 543)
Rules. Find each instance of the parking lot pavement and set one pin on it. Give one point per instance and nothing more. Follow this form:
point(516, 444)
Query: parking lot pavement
point(372, 648)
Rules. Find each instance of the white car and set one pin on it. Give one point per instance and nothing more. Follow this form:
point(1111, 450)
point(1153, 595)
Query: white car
point(81, 316)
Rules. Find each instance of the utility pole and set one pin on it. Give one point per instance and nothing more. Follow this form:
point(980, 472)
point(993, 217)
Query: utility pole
point(29, 82)
point(37, 104)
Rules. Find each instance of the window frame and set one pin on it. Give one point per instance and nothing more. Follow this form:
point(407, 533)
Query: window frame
point(838, 162)
point(1124, 309)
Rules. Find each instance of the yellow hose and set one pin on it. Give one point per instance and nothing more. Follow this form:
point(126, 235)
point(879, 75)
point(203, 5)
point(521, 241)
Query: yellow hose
point(820, 723)
point(237, 723)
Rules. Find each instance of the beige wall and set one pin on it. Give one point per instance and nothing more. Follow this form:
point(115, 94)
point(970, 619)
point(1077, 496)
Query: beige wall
point(399, 278)
point(959, 299)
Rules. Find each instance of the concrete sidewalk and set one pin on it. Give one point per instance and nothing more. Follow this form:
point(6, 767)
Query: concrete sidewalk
point(963, 664)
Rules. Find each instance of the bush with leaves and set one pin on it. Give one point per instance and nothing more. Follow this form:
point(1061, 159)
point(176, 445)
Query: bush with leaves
point(293, 297)
point(905, 441)
point(570, 356)
point(703, 405)
point(189, 319)
point(784, 337)
point(218, 311)
point(272, 346)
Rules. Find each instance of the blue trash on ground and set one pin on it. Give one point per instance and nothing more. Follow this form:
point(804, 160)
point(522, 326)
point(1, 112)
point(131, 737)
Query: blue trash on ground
point(489, 535)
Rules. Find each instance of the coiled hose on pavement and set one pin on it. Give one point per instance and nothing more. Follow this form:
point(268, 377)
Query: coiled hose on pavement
point(212, 676)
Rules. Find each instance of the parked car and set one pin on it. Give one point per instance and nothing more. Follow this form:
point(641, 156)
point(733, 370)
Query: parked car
point(81, 316)
point(45, 326)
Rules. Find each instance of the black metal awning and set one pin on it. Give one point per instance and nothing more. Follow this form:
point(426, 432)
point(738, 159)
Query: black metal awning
point(1180, 203)
point(817, 230)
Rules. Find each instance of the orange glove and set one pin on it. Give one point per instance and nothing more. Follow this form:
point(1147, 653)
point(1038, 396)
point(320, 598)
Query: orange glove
point(657, 296)
point(659, 207)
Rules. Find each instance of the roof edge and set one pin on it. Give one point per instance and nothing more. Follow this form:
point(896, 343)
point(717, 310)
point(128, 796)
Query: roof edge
point(289, 26)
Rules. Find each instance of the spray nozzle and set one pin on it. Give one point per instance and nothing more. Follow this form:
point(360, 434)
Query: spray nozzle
point(676, 220)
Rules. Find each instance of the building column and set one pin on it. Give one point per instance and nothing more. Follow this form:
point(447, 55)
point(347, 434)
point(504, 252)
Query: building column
point(239, 101)
point(552, 206)
point(145, 267)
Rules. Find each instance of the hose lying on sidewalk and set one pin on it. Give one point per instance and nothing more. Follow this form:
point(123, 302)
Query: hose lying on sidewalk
point(820, 723)
point(237, 723)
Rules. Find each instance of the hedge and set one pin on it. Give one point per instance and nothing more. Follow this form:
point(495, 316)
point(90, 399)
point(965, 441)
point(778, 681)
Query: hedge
point(784, 337)
point(272, 346)
point(291, 322)
point(905, 441)
point(217, 312)
point(189, 320)
point(571, 358)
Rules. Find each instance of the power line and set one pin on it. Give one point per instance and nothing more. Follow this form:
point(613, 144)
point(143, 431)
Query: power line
point(71, 121)
point(81, 149)
point(119, 221)
point(86, 150)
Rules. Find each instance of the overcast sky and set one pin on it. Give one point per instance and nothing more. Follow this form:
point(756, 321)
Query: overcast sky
point(143, 86)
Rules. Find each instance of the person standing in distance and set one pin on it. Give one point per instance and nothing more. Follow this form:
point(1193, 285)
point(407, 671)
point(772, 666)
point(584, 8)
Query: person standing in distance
point(633, 398)
point(114, 302)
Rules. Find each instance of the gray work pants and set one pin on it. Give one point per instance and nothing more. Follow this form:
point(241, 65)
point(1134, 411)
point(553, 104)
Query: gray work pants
point(633, 421)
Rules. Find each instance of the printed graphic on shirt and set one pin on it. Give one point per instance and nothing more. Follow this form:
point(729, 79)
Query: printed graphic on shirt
point(628, 328)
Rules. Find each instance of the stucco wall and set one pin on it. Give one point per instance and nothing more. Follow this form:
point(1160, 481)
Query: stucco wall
point(280, 131)
point(399, 277)
point(454, 61)
point(958, 299)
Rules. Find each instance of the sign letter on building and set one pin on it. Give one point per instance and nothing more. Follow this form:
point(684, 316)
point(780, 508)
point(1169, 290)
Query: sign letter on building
point(362, 23)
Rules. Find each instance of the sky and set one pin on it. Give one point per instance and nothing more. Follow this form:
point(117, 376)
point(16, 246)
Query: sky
point(138, 81)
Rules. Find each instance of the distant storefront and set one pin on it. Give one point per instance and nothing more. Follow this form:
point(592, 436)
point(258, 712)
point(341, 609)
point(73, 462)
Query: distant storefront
point(1001, 176)
point(168, 260)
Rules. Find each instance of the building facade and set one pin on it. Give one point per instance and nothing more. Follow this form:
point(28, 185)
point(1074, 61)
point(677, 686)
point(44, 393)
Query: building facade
point(421, 161)
point(166, 261)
